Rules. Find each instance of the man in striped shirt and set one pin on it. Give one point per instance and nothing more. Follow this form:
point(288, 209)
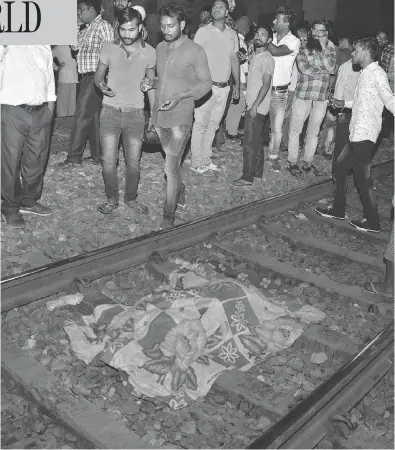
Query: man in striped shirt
point(315, 63)
point(86, 117)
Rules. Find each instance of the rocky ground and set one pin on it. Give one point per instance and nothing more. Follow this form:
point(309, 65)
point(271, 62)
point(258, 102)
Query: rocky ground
point(76, 226)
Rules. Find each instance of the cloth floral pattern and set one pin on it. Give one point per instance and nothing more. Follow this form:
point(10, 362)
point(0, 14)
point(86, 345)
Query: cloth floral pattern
point(175, 343)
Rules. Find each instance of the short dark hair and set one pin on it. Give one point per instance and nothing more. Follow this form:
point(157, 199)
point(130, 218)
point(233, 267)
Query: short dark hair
point(370, 44)
point(225, 2)
point(323, 21)
point(268, 28)
point(95, 4)
point(346, 38)
point(288, 12)
point(302, 25)
point(173, 10)
point(128, 14)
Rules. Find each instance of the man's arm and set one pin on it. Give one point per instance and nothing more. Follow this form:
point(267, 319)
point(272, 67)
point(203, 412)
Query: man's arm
point(281, 50)
point(384, 91)
point(340, 83)
point(107, 32)
point(266, 82)
point(305, 64)
point(235, 67)
point(150, 74)
point(80, 39)
point(51, 96)
point(328, 56)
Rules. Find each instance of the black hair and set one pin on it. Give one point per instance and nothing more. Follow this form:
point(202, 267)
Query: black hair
point(323, 21)
point(96, 5)
point(288, 12)
point(369, 43)
point(268, 28)
point(128, 14)
point(225, 2)
point(173, 10)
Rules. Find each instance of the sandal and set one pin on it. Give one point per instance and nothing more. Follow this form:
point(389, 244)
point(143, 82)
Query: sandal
point(107, 208)
point(369, 286)
point(181, 208)
point(241, 183)
point(136, 207)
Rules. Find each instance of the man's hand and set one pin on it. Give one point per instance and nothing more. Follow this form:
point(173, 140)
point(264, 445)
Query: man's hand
point(236, 93)
point(338, 103)
point(171, 103)
point(253, 111)
point(51, 107)
point(323, 41)
point(106, 90)
point(147, 84)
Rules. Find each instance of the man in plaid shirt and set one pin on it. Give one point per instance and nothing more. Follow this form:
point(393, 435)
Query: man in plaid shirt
point(86, 117)
point(315, 63)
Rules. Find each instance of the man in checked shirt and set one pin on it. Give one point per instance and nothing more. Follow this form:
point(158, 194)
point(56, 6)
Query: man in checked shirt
point(86, 117)
point(315, 63)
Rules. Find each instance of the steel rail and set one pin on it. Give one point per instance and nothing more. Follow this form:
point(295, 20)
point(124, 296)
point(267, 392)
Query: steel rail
point(307, 423)
point(34, 284)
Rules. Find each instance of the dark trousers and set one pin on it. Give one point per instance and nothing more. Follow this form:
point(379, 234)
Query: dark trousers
point(219, 138)
point(356, 156)
point(342, 136)
point(86, 122)
point(253, 152)
point(24, 153)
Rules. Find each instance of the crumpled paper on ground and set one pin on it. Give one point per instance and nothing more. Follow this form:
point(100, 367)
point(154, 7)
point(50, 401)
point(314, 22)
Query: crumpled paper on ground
point(175, 343)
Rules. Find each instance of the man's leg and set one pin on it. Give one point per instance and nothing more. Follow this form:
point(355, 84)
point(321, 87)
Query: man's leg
point(287, 119)
point(343, 164)
point(220, 97)
point(202, 118)
point(248, 149)
point(35, 156)
point(317, 115)
point(88, 104)
point(173, 142)
point(278, 105)
point(110, 131)
point(132, 137)
point(15, 125)
point(258, 125)
point(219, 138)
point(362, 157)
point(342, 136)
point(234, 115)
point(300, 112)
point(94, 138)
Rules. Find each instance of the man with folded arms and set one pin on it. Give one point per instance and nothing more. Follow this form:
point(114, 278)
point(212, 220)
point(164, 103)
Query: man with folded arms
point(221, 45)
point(27, 99)
point(371, 95)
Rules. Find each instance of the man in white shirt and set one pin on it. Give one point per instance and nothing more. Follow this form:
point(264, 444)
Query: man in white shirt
point(27, 99)
point(284, 48)
point(371, 95)
point(221, 45)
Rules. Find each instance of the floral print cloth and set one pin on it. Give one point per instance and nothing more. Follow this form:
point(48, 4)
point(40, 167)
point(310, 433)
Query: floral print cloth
point(176, 342)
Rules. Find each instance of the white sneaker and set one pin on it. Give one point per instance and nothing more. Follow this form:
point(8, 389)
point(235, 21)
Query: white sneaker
point(214, 167)
point(201, 169)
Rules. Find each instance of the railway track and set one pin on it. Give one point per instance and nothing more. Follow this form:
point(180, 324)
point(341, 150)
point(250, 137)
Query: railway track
point(246, 252)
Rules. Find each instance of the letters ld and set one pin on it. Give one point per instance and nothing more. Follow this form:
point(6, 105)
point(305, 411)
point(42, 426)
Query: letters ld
point(7, 12)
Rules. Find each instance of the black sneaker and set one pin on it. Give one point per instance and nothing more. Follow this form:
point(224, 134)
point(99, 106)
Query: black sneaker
point(294, 170)
point(36, 208)
point(313, 169)
point(15, 220)
point(362, 225)
point(328, 212)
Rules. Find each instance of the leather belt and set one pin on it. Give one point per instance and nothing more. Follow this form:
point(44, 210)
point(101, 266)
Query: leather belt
point(30, 108)
point(280, 88)
point(88, 74)
point(221, 84)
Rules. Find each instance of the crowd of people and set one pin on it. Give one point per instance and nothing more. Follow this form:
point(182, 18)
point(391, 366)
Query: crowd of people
point(298, 80)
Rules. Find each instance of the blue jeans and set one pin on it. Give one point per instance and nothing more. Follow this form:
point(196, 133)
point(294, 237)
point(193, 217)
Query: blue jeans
point(128, 123)
point(173, 141)
point(253, 153)
point(278, 106)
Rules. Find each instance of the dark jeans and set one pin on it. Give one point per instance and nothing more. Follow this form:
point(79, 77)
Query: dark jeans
point(86, 122)
point(128, 123)
point(342, 136)
point(358, 156)
point(173, 141)
point(253, 152)
point(24, 153)
point(219, 138)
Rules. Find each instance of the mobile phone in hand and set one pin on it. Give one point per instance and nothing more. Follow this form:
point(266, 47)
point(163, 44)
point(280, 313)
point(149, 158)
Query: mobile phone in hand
point(164, 104)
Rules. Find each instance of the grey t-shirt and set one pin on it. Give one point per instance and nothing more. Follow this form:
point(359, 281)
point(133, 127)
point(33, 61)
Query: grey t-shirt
point(261, 63)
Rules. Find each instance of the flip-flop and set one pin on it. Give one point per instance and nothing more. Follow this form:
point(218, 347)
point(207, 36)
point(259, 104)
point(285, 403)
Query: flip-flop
point(370, 287)
point(107, 208)
point(181, 208)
